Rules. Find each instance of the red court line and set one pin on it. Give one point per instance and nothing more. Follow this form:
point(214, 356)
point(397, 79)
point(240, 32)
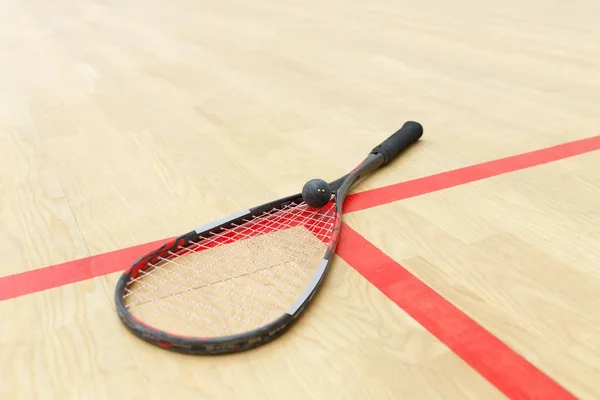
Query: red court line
point(486, 354)
point(37, 280)
point(74, 271)
point(444, 180)
point(499, 364)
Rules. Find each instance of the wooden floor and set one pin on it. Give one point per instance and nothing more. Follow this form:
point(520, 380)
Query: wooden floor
point(126, 122)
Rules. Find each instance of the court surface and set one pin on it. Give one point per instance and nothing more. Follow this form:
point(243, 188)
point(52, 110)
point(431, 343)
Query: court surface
point(468, 268)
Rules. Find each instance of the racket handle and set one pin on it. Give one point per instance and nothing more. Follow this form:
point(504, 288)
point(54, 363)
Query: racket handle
point(409, 133)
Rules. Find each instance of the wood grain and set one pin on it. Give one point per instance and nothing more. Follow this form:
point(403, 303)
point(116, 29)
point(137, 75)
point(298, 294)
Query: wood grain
point(124, 122)
point(67, 343)
point(37, 226)
point(528, 275)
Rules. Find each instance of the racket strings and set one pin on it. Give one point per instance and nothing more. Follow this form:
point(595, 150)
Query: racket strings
point(249, 287)
point(196, 283)
point(224, 253)
point(182, 289)
point(238, 278)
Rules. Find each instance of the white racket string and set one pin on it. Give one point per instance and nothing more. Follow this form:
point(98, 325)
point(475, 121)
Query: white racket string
point(237, 279)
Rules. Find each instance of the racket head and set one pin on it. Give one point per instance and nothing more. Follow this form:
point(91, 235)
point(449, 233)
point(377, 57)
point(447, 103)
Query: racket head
point(234, 284)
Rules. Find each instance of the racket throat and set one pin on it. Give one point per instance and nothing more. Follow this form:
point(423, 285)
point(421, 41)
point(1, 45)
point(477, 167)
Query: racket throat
point(343, 185)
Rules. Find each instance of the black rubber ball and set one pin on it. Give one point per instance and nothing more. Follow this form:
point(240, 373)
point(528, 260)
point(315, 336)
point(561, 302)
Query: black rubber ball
point(316, 193)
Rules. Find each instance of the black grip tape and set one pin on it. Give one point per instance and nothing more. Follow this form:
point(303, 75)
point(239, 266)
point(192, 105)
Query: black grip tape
point(409, 133)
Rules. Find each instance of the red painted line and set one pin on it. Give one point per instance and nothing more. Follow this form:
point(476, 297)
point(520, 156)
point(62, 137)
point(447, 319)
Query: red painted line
point(500, 365)
point(74, 271)
point(37, 280)
point(445, 180)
